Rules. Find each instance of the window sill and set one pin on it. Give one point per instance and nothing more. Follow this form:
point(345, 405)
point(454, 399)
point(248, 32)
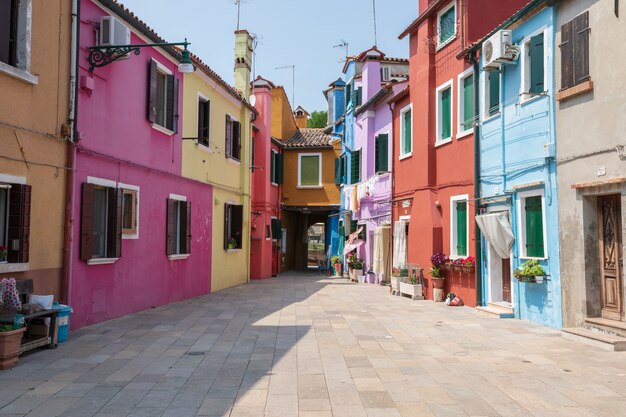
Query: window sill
point(527, 98)
point(133, 236)
point(7, 268)
point(405, 156)
point(233, 161)
point(102, 261)
point(310, 187)
point(574, 91)
point(19, 74)
point(443, 142)
point(275, 184)
point(233, 250)
point(180, 257)
point(491, 117)
point(530, 258)
point(162, 129)
point(463, 134)
point(446, 43)
point(204, 148)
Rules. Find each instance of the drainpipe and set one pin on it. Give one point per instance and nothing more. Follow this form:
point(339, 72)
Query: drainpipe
point(480, 299)
point(71, 157)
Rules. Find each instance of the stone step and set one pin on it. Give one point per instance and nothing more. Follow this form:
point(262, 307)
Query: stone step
point(618, 328)
point(499, 311)
point(595, 338)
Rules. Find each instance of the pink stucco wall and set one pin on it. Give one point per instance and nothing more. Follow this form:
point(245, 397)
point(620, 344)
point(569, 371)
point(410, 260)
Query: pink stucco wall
point(119, 144)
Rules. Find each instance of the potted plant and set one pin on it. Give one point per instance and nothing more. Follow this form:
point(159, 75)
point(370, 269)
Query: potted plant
point(469, 264)
point(412, 286)
point(351, 260)
point(531, 271)
point(358, 265)
point(336, 261)
point(3, 254)
point(440, 260)
point(437, 275)
point(232, 243)
point(10, 340)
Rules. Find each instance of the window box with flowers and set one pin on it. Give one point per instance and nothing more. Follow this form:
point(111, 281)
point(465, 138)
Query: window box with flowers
point(531, 271)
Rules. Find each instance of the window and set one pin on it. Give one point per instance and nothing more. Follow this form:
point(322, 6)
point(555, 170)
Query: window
point(492, 93)
point(178, 235)
point(233, 138)
point(277, 227)
point(268, 232)
point(15, 39)
point(309, 170)
point(459, 236)
point(283, 241)
point(446, 25)
point(101, 222)
point(381, 162)
point(276, 168)
point(8, 31)
point(359, 96)
point(339, 170)
point(575, 51)
point(349, 89)
point(355, 167)
point(533, 66)
point(204, 121)
point(466, 103)
point(130, 212)
point(163, 98)
point(532, 225)
point(14, 222)
point(444, 113)
point(406, 131)
point(233, 226)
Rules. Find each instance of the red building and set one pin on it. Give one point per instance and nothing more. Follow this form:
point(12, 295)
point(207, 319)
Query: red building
point(266, 234)
point(433, 175)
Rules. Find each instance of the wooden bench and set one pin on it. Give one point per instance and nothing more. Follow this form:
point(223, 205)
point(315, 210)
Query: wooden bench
point(30, 340)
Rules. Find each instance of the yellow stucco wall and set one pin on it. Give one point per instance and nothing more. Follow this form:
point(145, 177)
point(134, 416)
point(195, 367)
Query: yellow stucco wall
point(327, 195)
point(283, 122)
point(230, 180)
point(32, 116)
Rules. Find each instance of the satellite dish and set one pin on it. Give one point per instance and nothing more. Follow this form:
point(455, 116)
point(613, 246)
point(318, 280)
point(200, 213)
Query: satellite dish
point(253, 100)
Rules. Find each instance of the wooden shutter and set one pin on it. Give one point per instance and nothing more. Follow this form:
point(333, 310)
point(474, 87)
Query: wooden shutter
point(18, 232)
point(581, 48)
point(152, 92)
point(227, 223)
point(280, 168)
point(359, 96)
point(114, 222)
point(273, 167)
point(187, 227)
point(446, 114)
point(86, 222)
point(170, 227)
point(534, 227)
point(494, 93)
point(567, 55)
point(337, 171)
point(171, 118)
point(344, 169)
point(536, 65)
point(355, 167)
point(468, 102)
point(229, 134)
point(461, 228)
point(382, 153)
point(407, 139)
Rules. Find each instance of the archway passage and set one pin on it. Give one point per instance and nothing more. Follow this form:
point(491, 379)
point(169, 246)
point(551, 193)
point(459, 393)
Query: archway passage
point(316, 247)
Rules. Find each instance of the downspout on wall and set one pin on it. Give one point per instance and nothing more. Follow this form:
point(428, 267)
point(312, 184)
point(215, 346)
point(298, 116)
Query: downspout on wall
point(480, 300)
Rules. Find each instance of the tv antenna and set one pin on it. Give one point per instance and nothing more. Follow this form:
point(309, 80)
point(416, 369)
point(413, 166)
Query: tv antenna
point(375, 34)
point(238, 4)
point(293, 81)
point(343, 44)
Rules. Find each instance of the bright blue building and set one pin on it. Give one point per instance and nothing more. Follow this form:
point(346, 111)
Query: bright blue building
point(517, 180)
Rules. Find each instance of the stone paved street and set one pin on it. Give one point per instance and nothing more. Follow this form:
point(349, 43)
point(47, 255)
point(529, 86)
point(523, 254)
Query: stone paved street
point(302, 346)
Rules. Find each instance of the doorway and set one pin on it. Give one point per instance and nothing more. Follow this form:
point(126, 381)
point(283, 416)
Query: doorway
point(499, 272)
point(610, 256)
point(316, 245)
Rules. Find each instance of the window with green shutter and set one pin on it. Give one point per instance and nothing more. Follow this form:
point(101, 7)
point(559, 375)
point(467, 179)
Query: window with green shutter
point(273, 167)
point(445, 106)
point(310, 170)
point(381, 161)
point(534, 227)
point(407, 133)
point(337, 171)
point(536, 56)
point(494, 93)
point(278, 168)
point(461, 228)
point(355, 167)
point(447, 25)
point(468, 102)
point(344, 169)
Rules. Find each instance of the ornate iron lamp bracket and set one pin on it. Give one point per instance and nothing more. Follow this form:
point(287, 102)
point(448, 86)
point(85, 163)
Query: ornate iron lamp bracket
point(99, 56)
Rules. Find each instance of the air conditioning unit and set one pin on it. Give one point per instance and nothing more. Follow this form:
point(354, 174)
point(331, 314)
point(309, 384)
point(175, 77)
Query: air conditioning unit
point(499, 49)
point(113, 32)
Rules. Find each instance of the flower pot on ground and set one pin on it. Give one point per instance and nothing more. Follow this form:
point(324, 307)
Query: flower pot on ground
point(10, 341)
point(411, 288)
point(336, 261)
point(361, 278)
point(438, 283)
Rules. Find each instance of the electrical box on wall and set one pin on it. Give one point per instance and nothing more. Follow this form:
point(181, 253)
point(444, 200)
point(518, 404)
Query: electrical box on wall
point(549, 150)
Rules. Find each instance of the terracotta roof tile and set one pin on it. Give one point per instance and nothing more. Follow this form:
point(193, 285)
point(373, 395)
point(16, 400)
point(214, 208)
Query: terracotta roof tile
point(309, 138)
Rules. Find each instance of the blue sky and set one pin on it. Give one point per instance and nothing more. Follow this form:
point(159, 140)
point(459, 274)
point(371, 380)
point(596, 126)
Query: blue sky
point(291, 31)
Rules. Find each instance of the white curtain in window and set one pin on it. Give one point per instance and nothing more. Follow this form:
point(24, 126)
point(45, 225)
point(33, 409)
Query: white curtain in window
point(497, 229)
point(382, 250)
point(399, 245)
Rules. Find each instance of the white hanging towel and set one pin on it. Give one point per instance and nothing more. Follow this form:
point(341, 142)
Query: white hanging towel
point(497, 230)
point(399, 245)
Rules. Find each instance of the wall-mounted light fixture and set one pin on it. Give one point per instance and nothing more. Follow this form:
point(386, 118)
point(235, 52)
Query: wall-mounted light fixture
point(99, 56)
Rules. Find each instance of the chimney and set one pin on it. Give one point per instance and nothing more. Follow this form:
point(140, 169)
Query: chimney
point(302, 117)
point(243, 62)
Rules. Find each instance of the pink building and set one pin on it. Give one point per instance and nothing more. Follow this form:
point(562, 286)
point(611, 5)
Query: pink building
point(142, 232)
point(267, 177)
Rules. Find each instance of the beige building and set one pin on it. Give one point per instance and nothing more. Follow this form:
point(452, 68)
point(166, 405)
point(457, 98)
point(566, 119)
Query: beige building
point(591, 160)
point(35, 45)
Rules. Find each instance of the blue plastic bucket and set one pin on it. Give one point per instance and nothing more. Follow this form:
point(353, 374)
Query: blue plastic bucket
point(63, 320)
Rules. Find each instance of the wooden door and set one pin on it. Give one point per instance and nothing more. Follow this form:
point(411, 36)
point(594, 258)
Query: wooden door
point(610, 246)
point(506, 280)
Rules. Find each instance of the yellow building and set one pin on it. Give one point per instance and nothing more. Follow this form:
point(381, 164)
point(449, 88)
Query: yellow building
point(217, 150)
point(34, 129)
